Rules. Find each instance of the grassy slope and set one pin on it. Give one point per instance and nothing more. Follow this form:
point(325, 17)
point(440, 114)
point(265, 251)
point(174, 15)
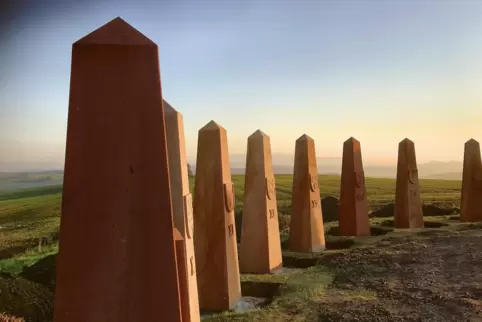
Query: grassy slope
point(34, 213)
point(28, 215)
point(31, 214)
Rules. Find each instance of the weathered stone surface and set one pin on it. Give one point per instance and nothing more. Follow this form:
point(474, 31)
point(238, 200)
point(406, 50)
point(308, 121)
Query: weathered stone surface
point(408, 205)
point(117, 259)
point(182, 211)
point(354, 219)
point(471, 200)
point(215, 232)
point(260, 251)
point(306, 228)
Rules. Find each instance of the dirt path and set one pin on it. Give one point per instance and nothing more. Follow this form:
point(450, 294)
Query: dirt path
point(429, 276)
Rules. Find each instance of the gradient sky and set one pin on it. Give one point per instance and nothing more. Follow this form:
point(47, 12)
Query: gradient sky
point(377, 70)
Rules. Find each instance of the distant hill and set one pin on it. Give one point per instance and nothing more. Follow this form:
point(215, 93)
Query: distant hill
point(282, 164)
point(447, 176)
point(24, 180)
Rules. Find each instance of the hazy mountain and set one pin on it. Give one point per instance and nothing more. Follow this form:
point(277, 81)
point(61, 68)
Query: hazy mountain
point(30, 166)
point(283, 164)
point(36, 175)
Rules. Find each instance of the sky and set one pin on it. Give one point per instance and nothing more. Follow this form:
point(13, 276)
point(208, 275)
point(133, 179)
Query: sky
point(376, 70)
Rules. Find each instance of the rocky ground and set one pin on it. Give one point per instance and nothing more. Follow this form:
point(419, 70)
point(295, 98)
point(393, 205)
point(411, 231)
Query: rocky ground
point(434, 274)
point(428, 276)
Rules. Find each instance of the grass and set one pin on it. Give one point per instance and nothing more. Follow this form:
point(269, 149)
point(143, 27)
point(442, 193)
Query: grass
point(16, 264)
point(299, 294)
point(380, 191)
point(24, 221)
point(32, 215)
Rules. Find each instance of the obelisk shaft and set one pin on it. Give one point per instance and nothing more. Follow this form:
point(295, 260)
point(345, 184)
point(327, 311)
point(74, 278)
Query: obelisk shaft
point(353, 219)
point(214, 226)
point(117, 260)
point(408, 205)
point(182, 210)
point(306, 228)
point(260, 251)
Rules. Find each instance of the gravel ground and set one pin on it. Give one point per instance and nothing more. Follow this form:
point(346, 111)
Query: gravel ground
point(429, 276)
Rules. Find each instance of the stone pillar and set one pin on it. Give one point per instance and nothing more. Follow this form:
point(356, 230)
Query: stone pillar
point(182, 209)
point(353, 219)
point(182, 272)
point(260, 251)
point(306, 229)
point(471, 199)
point(117, 257)
point(408, 206)
point(215, 232)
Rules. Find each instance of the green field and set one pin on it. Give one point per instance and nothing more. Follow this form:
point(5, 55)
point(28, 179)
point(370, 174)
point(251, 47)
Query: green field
point(27, 215)
point(30, 217)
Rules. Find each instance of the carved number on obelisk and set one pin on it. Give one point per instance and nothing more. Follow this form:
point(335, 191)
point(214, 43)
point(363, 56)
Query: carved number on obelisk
point(271, 213)
point(191, 261)
point(314, 203)
point(360, 196)
point(231, 230)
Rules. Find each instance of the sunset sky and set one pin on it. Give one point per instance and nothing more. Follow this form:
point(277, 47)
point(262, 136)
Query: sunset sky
point(379, 71)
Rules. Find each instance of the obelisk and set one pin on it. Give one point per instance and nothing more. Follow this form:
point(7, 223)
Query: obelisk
point(182, 210)
point(471, 199)
point(353, 219)
point(307, 234)
point(215, 242)
point(408, 205)
point(117, 257)
point(260, 251)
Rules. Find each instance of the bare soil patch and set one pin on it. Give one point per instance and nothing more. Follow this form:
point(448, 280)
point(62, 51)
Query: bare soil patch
point(409, 278)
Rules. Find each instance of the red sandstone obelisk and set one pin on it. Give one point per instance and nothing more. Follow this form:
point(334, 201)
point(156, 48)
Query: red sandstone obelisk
point(306, 228)
point(260, 251)
point(215, 242)
point(471, 199)
point(182, 211)
point(408, 206)
point(353, 217)
point(117, 256)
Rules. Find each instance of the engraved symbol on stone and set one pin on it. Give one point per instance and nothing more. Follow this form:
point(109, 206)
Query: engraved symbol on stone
point(270, 188)
point(313, 182)
point(358, 179)
point(231, 230)
point(413, 193)
point(271, 213)
point(314, 203)
point(229, 196)
point(360, 197)
point(191, 261)
point(189, 218)
point(412, 175)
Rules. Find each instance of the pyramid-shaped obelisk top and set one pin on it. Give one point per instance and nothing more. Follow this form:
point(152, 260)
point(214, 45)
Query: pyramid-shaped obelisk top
point(115, 32)
point(258, 133)
point(168, 108)
point(212, 126)
point(304, 137)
